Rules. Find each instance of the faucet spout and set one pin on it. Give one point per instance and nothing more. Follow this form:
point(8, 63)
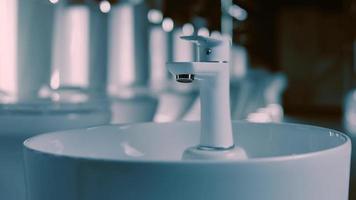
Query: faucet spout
point(185, 78)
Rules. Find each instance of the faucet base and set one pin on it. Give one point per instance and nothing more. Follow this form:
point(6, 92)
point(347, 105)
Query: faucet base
point(211, 153)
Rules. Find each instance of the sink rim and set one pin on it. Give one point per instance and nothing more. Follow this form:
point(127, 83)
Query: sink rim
point(346, 143)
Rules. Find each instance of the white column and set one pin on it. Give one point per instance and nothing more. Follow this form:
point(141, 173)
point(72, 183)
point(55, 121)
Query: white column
point(8, 46)
point(71, 46)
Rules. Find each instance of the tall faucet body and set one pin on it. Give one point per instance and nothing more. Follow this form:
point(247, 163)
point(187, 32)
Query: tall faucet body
point(212, 72)
point(213, 79)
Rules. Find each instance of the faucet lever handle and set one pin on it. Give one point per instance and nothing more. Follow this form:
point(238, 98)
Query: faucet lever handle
point(201, 40)
point(210, 49)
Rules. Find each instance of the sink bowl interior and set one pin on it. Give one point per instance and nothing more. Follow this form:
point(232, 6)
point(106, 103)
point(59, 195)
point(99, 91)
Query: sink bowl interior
point(167, 141)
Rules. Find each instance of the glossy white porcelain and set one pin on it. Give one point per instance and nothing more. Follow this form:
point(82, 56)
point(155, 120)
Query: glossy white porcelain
point(143, 161)
point(15, 127)
point(132, 105)
point(128, 55)
point(193, 114)
point(211, 71)
point(133, 110)
point(175, 101)
point(353, 169)
point(349, 124)
point(33, 101)
point(213, 78)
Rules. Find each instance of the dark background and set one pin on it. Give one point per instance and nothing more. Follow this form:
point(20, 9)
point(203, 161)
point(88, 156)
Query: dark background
point(309, 40)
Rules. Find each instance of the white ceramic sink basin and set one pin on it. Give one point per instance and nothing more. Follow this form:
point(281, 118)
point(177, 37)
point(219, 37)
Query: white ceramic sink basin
point(143, 161)
point(20, 121)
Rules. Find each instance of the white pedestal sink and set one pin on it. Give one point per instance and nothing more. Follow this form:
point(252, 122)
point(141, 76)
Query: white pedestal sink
point(173, 105)
point(133, 110)
point(143, 161)
point(132, 105)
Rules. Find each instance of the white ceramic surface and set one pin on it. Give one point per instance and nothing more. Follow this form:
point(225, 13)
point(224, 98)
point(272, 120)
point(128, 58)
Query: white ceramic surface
point(211, 71)
point(213, 81)
point(353, 169)
point(349, 123)
point(133, 110)
point(128, 60)
point(15, 127)
point(174, 102)
point(79, 46)
point(31, 102)
point(132, 105)
point(143, 161)
point(193, 114)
